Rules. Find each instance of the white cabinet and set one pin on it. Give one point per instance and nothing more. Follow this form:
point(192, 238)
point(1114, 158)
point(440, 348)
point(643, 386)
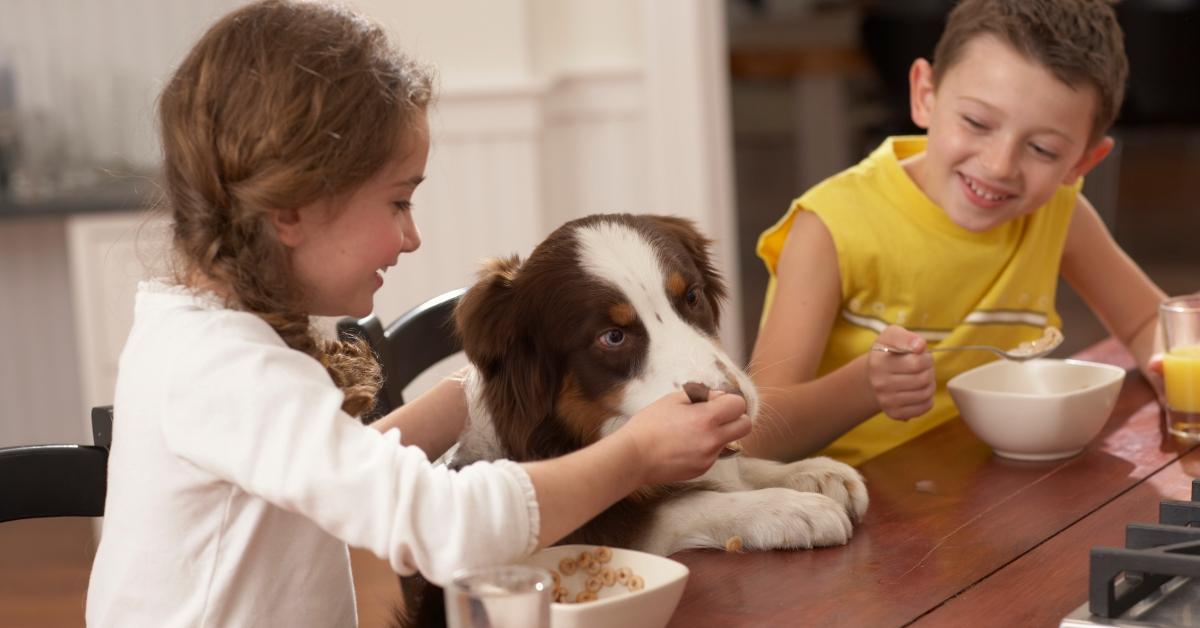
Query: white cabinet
point(109, 253)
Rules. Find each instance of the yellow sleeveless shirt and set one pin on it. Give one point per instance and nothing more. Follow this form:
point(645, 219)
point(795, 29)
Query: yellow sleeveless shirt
point(903, 261)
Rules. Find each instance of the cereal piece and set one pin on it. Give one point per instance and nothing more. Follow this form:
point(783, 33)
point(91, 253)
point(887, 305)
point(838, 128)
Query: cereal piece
point(696, 392)
point(624, 574)
point(636, 583)
point(585, 559)
point(733, 544)
point(594, 584)
point(585, 596)
point(560, 594)
point(608, 576)
point(603, 554)
point(568, 566)
point(593, 568)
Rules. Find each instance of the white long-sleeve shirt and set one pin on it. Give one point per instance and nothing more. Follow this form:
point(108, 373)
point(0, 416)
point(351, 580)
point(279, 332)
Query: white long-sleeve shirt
point(235, 483)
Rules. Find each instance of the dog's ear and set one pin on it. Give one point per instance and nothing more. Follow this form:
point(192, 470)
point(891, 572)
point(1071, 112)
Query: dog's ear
point(484, 316)
point(520, 380)
point(700, 249)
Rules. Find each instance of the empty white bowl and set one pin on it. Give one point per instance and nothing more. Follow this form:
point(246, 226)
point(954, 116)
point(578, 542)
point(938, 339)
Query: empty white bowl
point(616, 606)
point(1037, 410)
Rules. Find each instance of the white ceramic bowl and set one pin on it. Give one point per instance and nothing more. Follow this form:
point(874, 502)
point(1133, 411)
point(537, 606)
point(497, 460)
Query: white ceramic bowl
point(1037, 410)
point(617, 606)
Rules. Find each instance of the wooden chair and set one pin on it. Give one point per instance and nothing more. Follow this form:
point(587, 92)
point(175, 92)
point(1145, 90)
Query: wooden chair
point(57, 480)
point(417, 340)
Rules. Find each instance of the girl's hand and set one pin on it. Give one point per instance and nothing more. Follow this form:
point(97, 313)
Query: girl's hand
point(903, 384)
point(679, 440)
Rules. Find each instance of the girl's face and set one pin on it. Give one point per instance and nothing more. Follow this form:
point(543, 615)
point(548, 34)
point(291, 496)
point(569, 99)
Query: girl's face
point(340, 251)
point(1003, 134)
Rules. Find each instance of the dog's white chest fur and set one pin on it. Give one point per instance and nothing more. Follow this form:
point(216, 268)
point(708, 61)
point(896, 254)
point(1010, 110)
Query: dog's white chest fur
point(479, 440)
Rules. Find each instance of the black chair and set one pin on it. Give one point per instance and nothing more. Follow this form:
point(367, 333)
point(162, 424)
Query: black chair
point(417, 340)
point(57, 480)
point(420, 338)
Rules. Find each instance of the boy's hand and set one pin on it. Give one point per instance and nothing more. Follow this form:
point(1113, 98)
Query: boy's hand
point(678, 440)
point(1154, 373)
point(903, 384)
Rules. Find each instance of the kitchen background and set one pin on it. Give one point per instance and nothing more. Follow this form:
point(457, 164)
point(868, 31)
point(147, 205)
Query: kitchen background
point(548, 110)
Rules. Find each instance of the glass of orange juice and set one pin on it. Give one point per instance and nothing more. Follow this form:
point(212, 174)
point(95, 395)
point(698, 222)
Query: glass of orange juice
point(1180, 319)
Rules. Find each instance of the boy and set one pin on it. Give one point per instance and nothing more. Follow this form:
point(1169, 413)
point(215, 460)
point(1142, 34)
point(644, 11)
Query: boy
point(953, 238)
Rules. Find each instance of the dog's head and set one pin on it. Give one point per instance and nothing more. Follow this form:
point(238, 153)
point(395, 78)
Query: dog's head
point(606, 315)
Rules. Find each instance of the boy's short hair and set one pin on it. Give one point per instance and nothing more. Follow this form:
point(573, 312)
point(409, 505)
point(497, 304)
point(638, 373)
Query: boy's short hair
point(1079, 41)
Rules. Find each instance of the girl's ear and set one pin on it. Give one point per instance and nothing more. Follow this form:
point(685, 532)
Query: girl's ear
point(1091, 157)
point(287, 225)
point(921, 92)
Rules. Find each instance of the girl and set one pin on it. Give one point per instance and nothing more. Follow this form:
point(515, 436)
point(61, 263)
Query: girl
point(294, 138)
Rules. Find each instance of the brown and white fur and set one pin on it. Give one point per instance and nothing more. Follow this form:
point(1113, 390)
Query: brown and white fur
point(608, 314)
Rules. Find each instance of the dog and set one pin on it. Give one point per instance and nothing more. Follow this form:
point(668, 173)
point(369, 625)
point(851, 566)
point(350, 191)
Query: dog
point(609, 313)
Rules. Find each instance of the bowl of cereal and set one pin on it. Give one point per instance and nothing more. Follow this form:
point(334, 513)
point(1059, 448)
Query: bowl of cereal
point(603, 587)
point(1037, 410)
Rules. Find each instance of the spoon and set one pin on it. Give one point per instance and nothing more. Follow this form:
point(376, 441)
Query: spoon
point(1028, 350)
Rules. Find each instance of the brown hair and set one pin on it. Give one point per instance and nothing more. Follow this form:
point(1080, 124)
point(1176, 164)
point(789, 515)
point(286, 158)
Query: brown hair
point(280, 104)
point(1079, 41)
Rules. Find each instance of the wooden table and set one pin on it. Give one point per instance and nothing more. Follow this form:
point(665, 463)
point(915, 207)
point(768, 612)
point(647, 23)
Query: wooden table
point(986, 541)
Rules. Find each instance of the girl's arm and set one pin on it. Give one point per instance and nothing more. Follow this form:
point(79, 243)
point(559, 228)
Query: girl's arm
point(432, 421)
point(1114, 287)
point(801, 414)
point(671, 440)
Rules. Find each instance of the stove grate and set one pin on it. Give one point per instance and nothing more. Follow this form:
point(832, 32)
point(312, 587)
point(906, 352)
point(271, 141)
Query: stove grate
point(1153, 554)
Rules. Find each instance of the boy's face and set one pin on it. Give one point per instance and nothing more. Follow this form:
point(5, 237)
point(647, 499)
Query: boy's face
point(341, 250)
point(1003, 134)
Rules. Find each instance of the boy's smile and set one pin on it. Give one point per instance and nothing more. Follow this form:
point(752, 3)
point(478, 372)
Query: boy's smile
point(1003, 131)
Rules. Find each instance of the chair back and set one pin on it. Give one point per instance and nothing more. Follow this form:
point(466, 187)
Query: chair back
point(57, 480)
point(420, 338)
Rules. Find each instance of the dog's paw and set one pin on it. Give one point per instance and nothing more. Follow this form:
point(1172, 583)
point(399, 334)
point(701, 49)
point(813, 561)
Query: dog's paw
point(786, 519)
point(837, 480)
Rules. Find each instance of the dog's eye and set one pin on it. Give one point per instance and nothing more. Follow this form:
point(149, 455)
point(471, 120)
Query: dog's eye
point(692, 296)
point(611, 338)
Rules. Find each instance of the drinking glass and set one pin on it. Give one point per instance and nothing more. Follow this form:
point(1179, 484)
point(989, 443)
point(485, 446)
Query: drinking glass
point(1180, 317)
point(506, 596)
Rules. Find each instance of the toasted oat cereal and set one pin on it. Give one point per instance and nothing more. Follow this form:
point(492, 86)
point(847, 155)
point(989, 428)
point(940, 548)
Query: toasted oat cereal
point(734, 544)
point(608, 576)
point(596, 574)
point(567, 566)
point(594, 584)
point(624, 574)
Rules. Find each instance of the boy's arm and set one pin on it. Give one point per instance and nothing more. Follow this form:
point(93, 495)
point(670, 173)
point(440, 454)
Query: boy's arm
point(1114, 287)
point(432, 421)
point(800, 414)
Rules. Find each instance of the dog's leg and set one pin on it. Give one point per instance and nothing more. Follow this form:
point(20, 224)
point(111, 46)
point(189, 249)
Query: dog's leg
point(839, 481)
point(765, 519)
